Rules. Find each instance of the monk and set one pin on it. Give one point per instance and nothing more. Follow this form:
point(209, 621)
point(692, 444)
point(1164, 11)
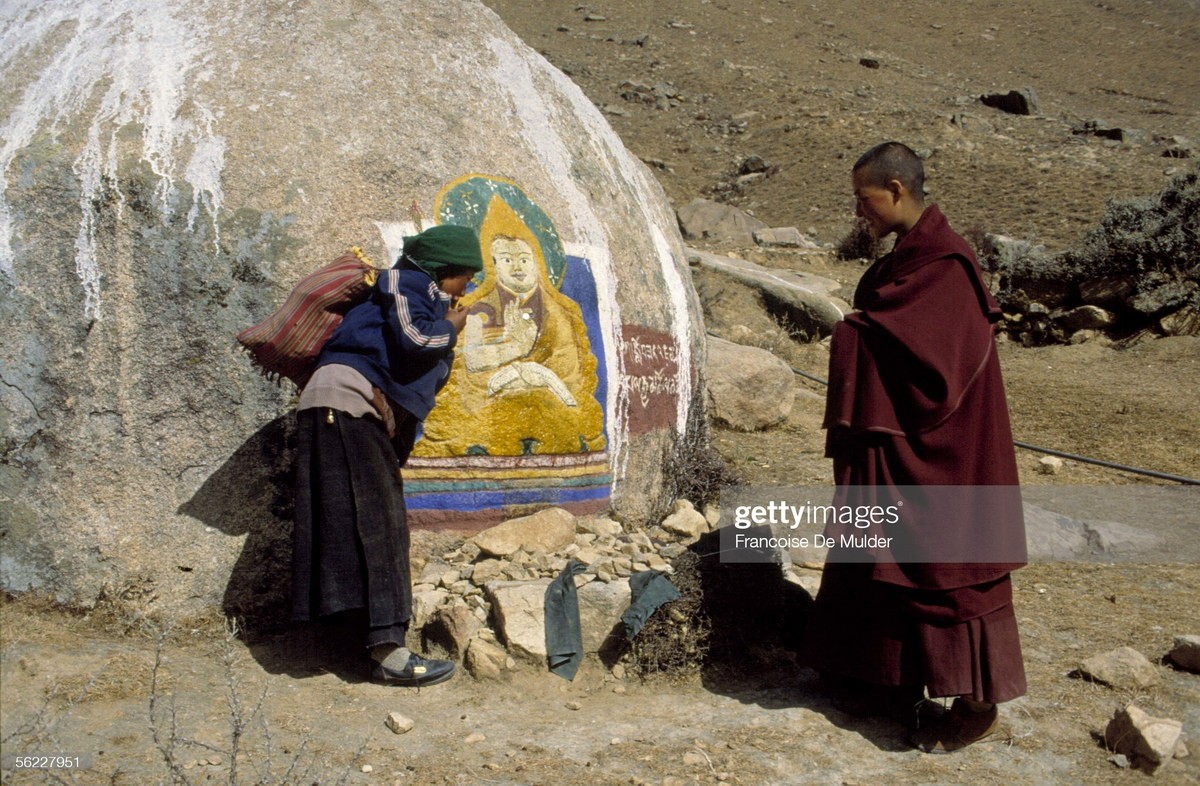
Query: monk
point(916, 399)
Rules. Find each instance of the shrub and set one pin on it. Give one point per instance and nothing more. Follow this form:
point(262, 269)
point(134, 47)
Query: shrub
point(859, 243)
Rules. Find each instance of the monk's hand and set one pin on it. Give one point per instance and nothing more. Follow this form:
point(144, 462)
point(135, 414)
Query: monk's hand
point(535, 375)
point(520, 328)
point(504, 379)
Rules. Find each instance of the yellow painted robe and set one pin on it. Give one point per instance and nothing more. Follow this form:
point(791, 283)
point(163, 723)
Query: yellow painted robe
point(469, 421)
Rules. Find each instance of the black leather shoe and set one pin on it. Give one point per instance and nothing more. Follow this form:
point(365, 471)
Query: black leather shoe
point(417, 673)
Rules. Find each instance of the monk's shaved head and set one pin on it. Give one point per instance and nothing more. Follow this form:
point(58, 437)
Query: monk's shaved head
point(893, 161)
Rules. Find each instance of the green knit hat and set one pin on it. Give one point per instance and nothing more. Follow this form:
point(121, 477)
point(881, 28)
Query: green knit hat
point(443, 246)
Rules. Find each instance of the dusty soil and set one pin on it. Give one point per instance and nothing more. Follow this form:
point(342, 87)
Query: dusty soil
point(781, 80)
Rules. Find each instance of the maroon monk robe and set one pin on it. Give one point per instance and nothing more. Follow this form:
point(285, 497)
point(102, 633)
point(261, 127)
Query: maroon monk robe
point(916, 399)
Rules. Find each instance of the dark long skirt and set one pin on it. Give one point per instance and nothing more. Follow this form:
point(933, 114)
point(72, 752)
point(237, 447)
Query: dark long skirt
point(960, 642)
point(350, 541)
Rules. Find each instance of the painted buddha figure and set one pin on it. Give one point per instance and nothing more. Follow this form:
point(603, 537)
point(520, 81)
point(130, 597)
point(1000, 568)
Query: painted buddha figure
point(524, 379)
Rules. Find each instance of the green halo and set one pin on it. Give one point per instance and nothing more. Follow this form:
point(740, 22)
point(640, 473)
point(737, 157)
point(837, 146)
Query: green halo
point(465, 202)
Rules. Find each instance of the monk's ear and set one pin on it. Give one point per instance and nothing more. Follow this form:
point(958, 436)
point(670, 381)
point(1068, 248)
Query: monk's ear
point(897, 189)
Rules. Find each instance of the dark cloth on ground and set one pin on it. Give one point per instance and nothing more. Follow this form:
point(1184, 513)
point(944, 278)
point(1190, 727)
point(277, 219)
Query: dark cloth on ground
point(350, 543)
point(564, 633)
point(648, 589)
point(916, 399)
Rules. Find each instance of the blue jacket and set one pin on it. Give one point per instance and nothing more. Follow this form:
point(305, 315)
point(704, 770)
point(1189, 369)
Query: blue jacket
point(399, 339)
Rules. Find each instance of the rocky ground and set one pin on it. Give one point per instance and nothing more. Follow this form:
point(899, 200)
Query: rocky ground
point(698, 89)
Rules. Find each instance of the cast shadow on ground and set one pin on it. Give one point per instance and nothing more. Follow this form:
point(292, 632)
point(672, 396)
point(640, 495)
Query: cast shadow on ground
point(304, 650)
point(250, 495)
point(758, 623)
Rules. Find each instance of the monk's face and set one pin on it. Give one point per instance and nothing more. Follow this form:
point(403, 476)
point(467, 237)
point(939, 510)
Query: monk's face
point(516, 267)
point(881, 207)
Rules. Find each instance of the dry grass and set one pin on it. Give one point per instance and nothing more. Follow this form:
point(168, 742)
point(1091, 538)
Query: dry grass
point(122, 677)
point(675, 639)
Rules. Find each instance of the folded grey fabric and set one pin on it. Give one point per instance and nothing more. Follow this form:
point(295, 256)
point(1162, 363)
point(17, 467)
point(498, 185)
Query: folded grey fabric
point(564, 635)
point(648, 590)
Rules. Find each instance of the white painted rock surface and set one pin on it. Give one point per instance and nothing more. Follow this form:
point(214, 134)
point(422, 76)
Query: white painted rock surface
point(171, 168)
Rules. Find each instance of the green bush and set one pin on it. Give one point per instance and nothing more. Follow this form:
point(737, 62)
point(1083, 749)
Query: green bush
point(1158, 234)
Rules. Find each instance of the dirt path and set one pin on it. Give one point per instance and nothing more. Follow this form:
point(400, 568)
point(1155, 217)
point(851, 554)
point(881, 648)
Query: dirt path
point(308, 717)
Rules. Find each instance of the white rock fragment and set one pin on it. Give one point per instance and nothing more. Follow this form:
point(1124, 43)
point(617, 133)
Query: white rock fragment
point(1123, 667)
point(547, 530)
point(485, 659)
point(1148, 741)
point(399, 723)
point(1050, 465)
point(685, 520)
point(783, 237)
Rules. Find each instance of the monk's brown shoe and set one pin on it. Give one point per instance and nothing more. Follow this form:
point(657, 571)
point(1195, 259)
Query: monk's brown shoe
point(906, 705)
point(957, 729)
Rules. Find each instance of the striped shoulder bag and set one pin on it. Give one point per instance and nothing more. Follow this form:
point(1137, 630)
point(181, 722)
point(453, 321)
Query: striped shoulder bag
point(288, 343)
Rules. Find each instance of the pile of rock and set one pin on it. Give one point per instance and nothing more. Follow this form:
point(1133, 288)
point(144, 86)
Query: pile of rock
point(717, 222)
point(661, 95)
point(1137, 273)
point(482, 600)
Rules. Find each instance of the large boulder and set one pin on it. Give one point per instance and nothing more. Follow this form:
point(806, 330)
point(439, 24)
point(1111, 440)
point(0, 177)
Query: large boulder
point(749, 388)
point(807, 299)
point(170, 169)
point(547, 530)
point(703, 219)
